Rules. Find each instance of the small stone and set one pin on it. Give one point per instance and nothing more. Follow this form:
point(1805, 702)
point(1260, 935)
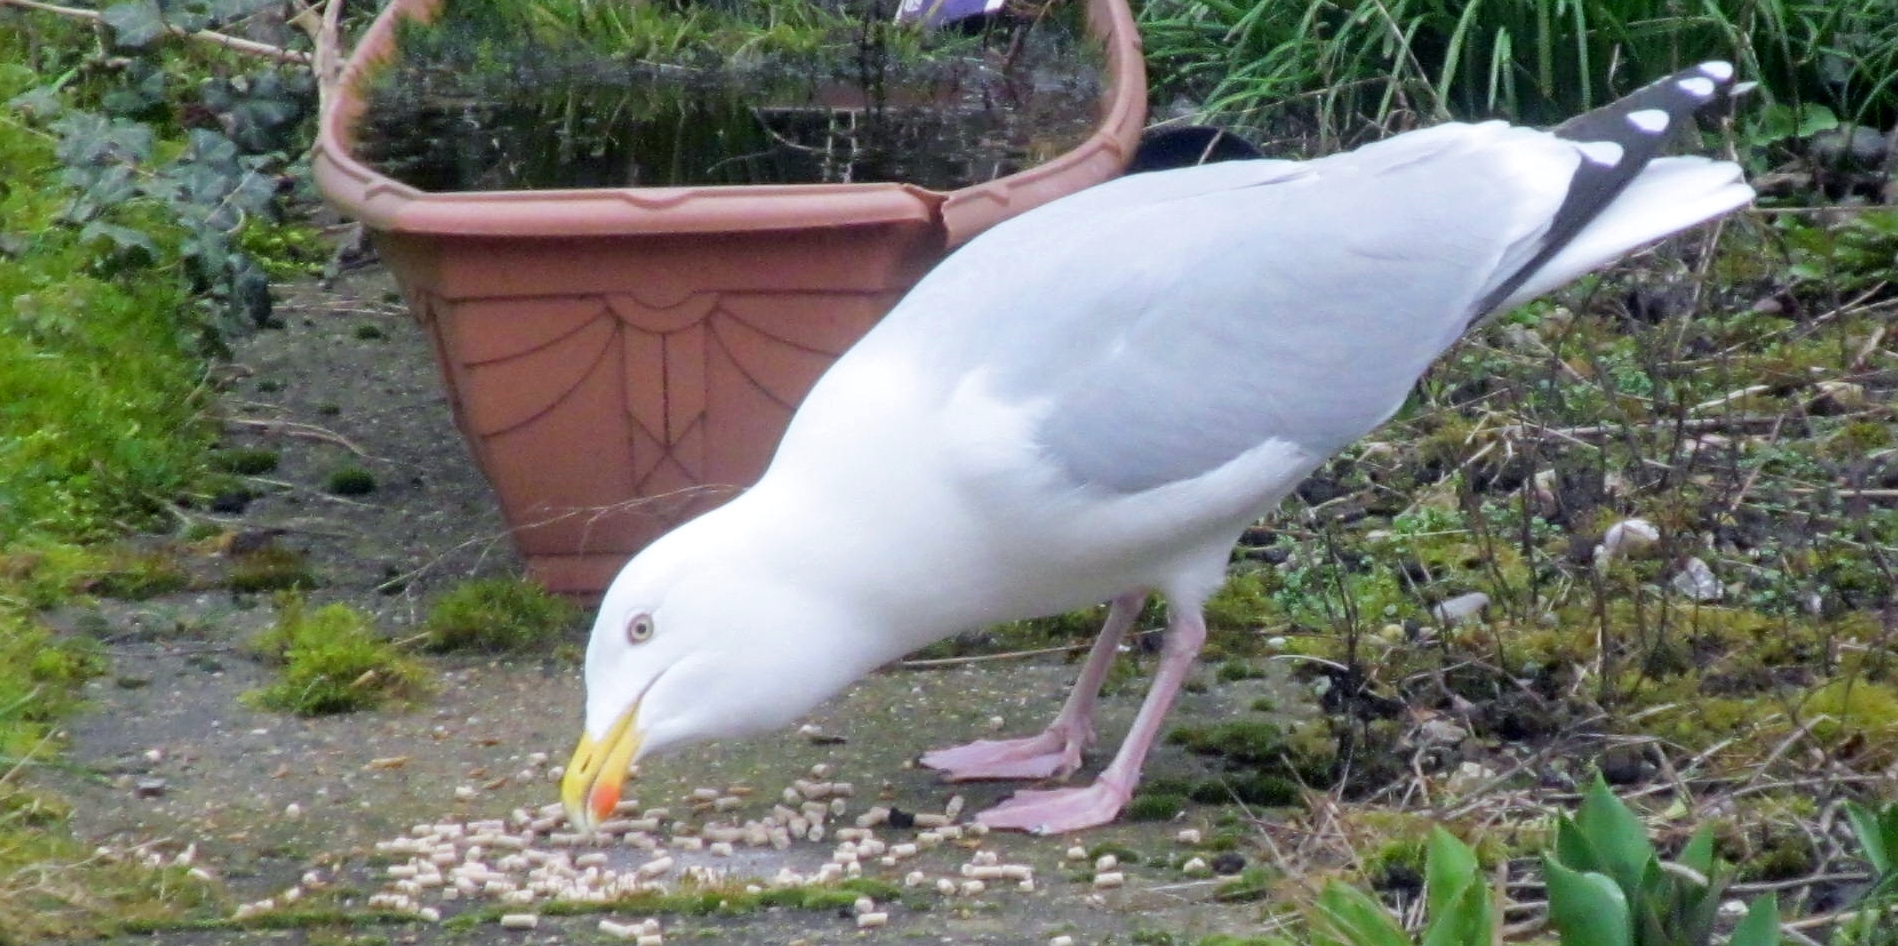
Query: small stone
point(1696, 581)
point(1196, 866)
point(1229, 862)
point(1625, 537)
point(464, 792)
point(1188, 836)
point(149, 788)
point(1461, 609)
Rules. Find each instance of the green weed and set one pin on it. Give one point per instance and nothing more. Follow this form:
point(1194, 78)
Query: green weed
point(497, 615)
point(331, 660)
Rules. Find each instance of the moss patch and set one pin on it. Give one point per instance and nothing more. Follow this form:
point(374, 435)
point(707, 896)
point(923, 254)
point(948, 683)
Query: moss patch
point(497, 615)
point(331, 660)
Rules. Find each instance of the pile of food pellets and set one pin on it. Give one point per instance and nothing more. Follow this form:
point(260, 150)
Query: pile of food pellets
point(532, 857)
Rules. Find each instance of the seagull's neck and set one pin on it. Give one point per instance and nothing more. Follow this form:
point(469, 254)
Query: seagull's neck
point(875, 584)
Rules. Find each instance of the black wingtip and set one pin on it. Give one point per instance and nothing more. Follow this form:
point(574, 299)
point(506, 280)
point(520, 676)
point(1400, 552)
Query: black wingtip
point(1616, 141)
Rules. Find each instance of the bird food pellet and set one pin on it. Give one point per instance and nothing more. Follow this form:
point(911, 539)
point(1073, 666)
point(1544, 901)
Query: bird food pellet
point(649, 939)
point(866, 921)
point(1106, 862)
point(953, 808)
point(1076, 853)
point(1188, 836)
point(1061, 941)
point(971, 888)
point(520, 921)
point(1109, 879)
point(928, 820)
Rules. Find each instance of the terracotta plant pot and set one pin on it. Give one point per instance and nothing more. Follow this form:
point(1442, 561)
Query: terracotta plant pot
point(622, 359)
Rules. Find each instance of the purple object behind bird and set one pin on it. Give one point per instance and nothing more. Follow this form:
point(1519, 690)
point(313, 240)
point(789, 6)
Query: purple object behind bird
point(944, 12)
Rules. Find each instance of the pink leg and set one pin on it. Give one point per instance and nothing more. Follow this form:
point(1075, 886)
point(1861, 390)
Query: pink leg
point(1056, 751)
point(1071, 809)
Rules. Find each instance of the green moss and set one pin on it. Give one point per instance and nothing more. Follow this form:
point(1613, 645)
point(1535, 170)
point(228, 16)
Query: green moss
point(495, 615)
point(271, 568)
point(350, 481)
point(1121, 852)
point(1236, 669)
point(1252, 883)
point(136, 575)
point(1238, 742)
point(1154, 806)
point(1248, 788)
point(331, 660)
point(245, 461)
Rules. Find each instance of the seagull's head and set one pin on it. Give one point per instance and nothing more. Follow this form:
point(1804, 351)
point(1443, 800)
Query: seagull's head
point(688, 647)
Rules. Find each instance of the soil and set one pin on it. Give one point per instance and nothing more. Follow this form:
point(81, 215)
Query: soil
point(168, 755)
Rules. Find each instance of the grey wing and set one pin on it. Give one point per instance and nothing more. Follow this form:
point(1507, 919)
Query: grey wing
point(1301, 308)
point(1164, 325)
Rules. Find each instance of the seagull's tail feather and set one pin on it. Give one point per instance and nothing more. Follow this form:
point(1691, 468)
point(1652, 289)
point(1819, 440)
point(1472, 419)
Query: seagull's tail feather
point(1670, 195)
point(1622, 196)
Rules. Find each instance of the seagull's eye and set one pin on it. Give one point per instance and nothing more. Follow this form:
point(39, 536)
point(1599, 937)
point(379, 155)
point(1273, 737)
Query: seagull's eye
point(639, 629)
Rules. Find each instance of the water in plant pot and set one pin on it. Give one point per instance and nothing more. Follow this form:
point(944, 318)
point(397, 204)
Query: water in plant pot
point(847, 96)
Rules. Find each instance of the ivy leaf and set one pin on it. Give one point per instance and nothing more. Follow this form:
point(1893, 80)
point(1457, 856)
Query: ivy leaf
point(228, 10)
point(142, 93)
point(136, 24)
point(250, 292)
point(193, 15)
point(88, 140)
point(122, 238)
point(40, 102)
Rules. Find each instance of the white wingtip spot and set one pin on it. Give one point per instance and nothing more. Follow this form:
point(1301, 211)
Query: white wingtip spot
point(1697, 87)
point(1605, 153)
point(1742, 88)
point(1717, 70)
point(1651, 120)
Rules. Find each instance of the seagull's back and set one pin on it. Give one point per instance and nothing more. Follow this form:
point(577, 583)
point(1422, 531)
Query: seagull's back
point(1101, 393)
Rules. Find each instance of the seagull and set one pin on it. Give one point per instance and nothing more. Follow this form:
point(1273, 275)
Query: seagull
point(1090, 402)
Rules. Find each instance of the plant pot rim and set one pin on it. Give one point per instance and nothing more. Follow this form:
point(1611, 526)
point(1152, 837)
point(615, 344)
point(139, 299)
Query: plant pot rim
point(383, 203)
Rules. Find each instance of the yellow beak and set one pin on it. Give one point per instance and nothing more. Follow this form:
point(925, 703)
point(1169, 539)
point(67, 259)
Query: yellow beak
point(591, 786)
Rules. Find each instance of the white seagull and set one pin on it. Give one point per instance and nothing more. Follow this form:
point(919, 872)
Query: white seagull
point(1089, 403)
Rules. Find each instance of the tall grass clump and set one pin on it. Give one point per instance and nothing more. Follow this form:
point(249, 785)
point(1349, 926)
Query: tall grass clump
point(1342, 69)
